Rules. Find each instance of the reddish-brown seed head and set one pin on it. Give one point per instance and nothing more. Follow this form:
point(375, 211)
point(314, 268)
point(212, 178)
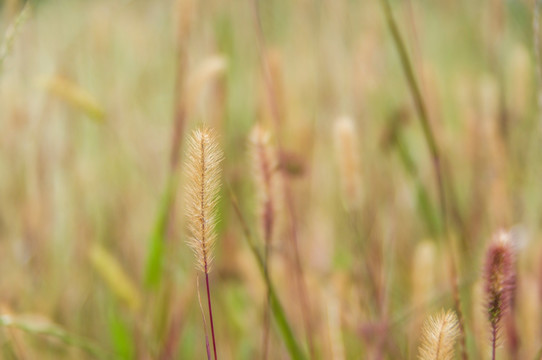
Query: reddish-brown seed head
point(499, 277)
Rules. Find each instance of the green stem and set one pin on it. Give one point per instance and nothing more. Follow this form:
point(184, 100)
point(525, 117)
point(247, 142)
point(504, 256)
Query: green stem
point(425, 206)
point(418, 102)
point(155, 257)
point(278, 311)
point(281, 320)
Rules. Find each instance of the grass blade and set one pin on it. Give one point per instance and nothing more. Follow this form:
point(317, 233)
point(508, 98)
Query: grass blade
point(155, 257)
point(38, 325)
point(281, 320)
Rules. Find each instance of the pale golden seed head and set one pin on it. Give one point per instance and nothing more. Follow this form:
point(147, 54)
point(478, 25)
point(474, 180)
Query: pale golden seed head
point(423, 275)
point(203, 186)
point(264, 167)
point(347, 153)
point(439, 334)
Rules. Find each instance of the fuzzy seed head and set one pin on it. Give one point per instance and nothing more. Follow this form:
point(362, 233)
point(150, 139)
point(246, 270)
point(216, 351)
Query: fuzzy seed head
point(439, 334)
point(264, 167)
point(347, 152)
point(206, 73)
point(203, 185)
point(423, 277)
point(499, 279)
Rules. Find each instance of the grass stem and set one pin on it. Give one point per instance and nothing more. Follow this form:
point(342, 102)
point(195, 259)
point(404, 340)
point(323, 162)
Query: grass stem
point(418, 102)
point(210, 313)
point(295, 351)
point(287, 191)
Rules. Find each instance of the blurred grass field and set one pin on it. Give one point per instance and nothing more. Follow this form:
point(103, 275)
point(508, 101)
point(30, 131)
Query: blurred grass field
point(97, 99)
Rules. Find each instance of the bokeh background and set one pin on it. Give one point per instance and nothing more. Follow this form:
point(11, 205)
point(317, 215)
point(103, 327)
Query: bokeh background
point(97, 99)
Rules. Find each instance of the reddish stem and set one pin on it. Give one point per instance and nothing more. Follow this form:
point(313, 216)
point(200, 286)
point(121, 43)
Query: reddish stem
point(210, 312)
point(493, 340)
point(266, 319)
point(299, 278)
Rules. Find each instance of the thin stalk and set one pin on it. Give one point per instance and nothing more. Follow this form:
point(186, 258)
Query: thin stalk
point(207, 348)
point(281, 320)
point(432, 145)
point(158, 239)
point(266, 323)
point(210, 312)
point(203, 169)
point(205, 255)
point(419, 104)
point(457, 305)
point(299, 278)
point(267, 249)
point(425, 205)
point(493, 341)
point(360, 247)
point(265, 340)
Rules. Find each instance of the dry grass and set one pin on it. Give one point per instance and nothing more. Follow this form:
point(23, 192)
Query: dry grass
point(203, 173)
point(439, 334)
point(357, 226)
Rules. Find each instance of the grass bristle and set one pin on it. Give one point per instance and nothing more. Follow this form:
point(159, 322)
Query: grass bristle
point(439, 334)
point(499, 283)
point(203, 169)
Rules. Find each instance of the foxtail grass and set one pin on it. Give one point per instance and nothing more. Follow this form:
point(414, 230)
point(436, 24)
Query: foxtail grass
point(285, 330)
point(439, 334)
point(346, 152)
point(304, 303)
point(203, 185)
point(419, 103)
point(271, 91)
point(499, 277)
point(264, 168)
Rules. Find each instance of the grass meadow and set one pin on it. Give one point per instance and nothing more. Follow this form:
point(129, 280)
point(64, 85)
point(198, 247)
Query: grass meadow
point(313, 179)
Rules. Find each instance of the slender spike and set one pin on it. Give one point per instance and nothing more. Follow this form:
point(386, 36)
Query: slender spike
point(203, 167)
point(499, 279)
point(264, 166)
point(439, 334)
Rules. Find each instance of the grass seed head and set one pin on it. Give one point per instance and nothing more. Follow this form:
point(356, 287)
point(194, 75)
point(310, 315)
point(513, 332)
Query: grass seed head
point(439, 334)
point(347, 150)
point(264, 168)
point(203, 185)
point(499, 279)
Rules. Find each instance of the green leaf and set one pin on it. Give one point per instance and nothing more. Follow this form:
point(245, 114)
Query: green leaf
point(121, 336)
point(155, 257)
